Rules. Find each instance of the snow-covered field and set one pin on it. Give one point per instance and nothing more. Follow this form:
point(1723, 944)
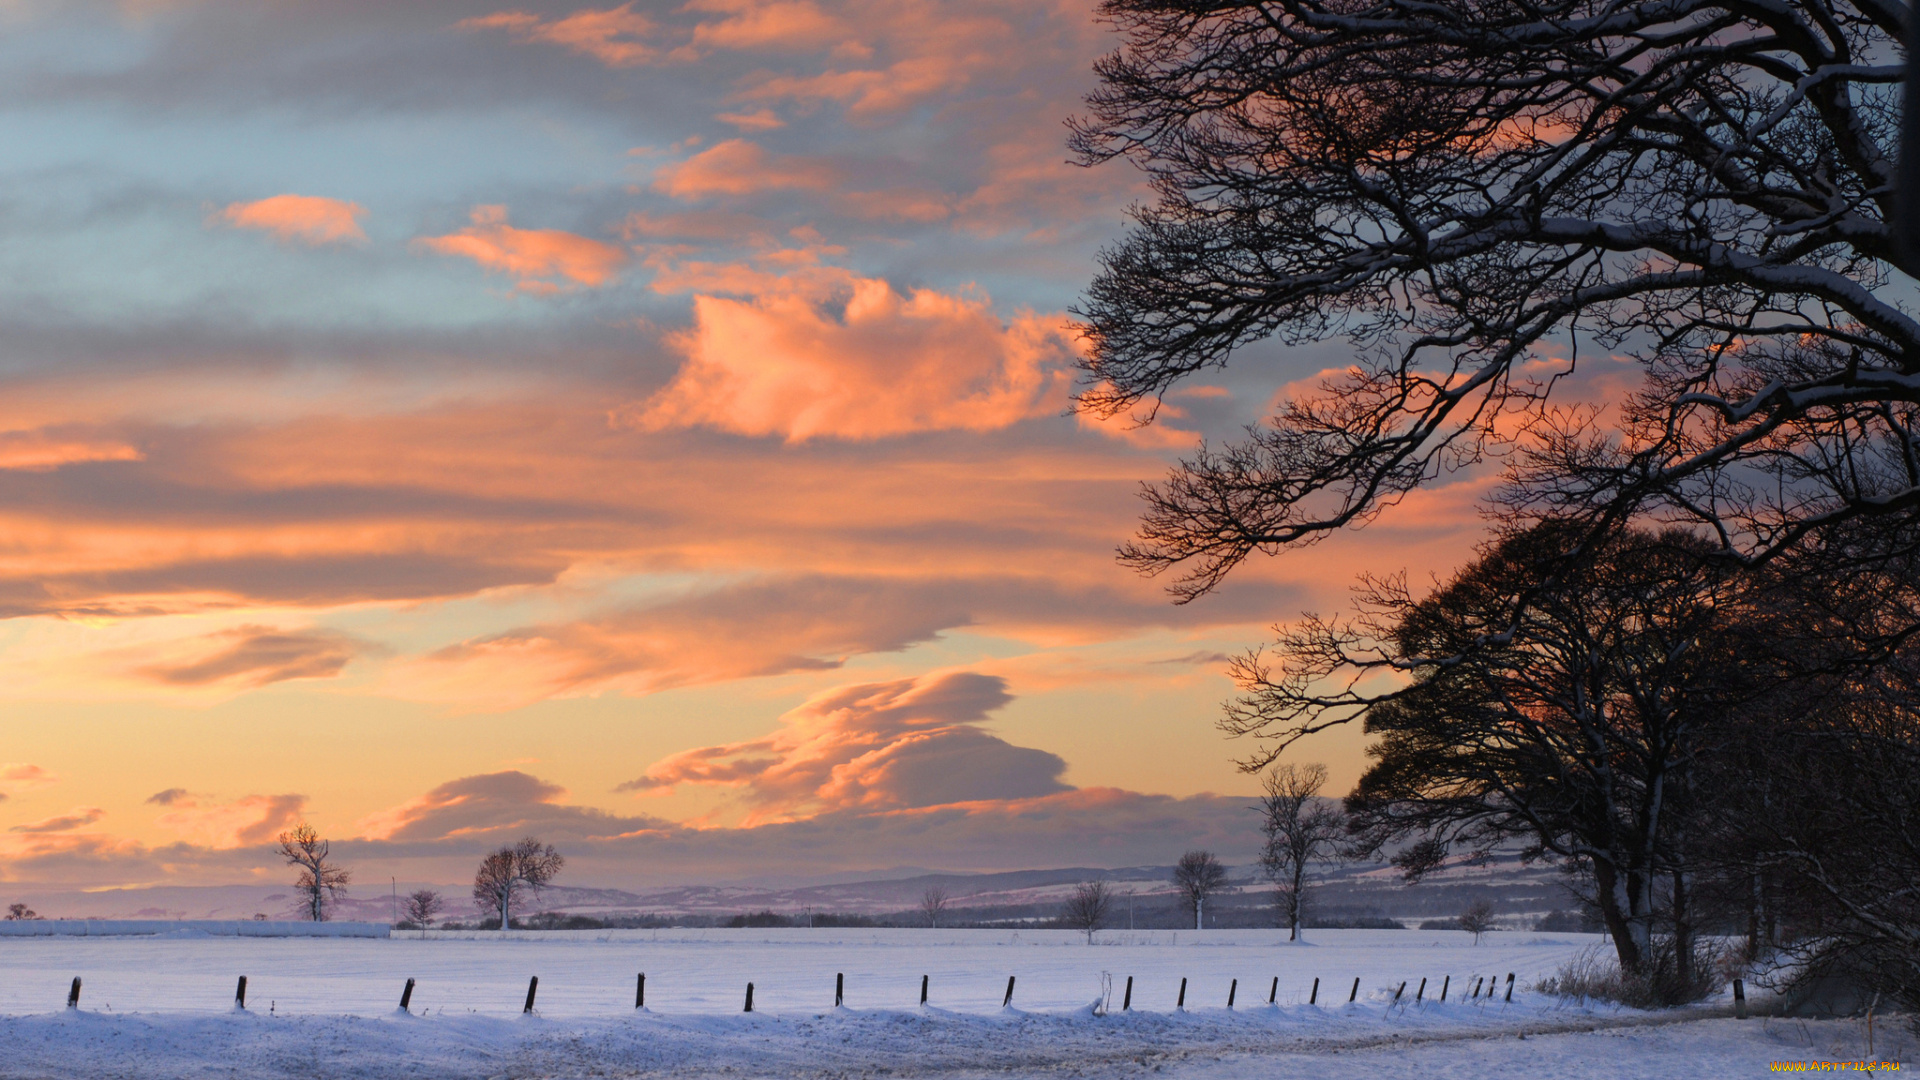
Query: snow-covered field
point(163, 1007)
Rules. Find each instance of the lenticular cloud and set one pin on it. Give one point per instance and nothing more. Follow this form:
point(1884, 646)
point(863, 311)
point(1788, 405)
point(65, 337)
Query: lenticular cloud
point(875, 746)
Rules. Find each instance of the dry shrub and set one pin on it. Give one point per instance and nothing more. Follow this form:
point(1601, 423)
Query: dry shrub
point(1594, 975)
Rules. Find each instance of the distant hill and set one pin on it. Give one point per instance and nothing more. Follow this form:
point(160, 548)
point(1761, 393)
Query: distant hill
point(1343, 894)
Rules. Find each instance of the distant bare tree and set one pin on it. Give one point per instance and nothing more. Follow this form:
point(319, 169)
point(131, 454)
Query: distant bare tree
point(422, 905)
point(1299, 828)
point(1087, 908)
point(1477, 919)
point(1198, 875)
point(320, 883)
point(932, 903)
point(528, 864)
point(17, 912)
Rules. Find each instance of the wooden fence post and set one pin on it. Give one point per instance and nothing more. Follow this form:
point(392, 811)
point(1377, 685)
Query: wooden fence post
point(73, 995)
point(1273, 994)
point(1509, 987)
point(1182, 1003)
point(749, 1007)
point(640, 992)
point(533, 984)
point(240, 994)
point(923, 989)
point(1127, 1002)
point(1739, 999)
point(406, 996)
point(1443, 987)
point(1232, 989)
point(1420, 994)
point(1356, 990)
point(1008, 1002)
point(839, 988)
point(1314, 998)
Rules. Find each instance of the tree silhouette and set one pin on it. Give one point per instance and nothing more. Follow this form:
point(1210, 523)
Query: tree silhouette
point(319, 882)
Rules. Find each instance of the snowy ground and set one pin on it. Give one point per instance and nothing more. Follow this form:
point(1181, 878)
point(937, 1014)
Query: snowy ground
point(162, 1008)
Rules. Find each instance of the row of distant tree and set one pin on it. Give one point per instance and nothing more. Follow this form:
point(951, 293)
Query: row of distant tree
point(504, 876)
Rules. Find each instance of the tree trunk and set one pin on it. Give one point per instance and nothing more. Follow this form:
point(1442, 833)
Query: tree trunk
point(1682, 931)
point(1294, 901)
point(1199, 907)
point(1615, 909)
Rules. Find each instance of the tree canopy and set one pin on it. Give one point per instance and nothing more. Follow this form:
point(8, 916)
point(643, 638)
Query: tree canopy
point(1465, 188)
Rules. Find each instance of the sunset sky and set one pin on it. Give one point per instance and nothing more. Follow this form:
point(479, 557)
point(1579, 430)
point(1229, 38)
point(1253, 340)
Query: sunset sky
point(645, 427)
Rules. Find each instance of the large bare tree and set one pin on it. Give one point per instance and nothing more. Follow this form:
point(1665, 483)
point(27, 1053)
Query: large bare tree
point(319, 882)
point(1469, 187)
point(1299, 827)
point(528, 864)
point(1570, 718)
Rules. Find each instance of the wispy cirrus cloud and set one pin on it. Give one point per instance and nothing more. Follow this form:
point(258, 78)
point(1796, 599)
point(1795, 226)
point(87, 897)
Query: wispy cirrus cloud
point(253, 656)
point(739, 167)
point(248, 820)
point(614, 36)
point(43, 451)
point(78, 818)
point(780, 624)
point(21, 776)
point(540, 261)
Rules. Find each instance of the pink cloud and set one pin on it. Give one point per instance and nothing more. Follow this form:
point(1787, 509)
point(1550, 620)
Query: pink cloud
point(543, 260)
point(738, 167)
point(870, 747)
point(18, 776)
point(611, 36)
point(254, 656)
point(42, 451)
point(506, 804)
point(308, 219)
point(757, 120)
point(895, 55)
point(834, 355)
point(251, 819)
point(780, 624)
point(762, 24)
point(78, 818)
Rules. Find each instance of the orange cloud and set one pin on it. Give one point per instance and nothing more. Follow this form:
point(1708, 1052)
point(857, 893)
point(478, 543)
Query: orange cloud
point(874, 747)
point(762, 24)
point(506, 805)
point(757, 120)
point(780, 624)
point(17, 776)
point(252, 819)
point(247, 657)
point(610, 36)
point(39, 451)
point(840, 356)
point(306, 218)
point(540, 258)
point(78, 818)
point(738, 167)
